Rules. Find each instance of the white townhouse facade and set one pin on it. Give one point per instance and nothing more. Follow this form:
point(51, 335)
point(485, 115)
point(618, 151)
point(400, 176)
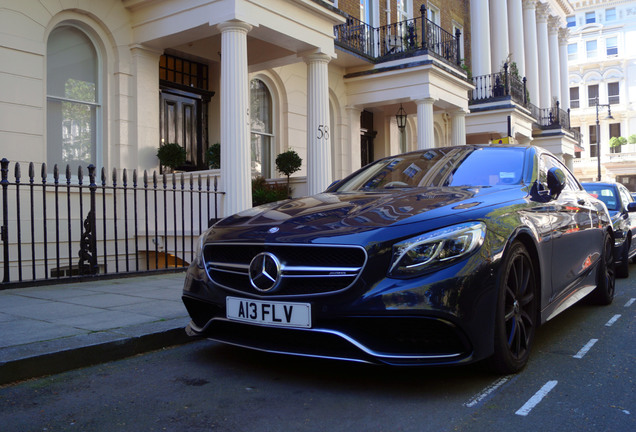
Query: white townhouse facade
point(602, 73)
point(530, 38)
point(341, 82)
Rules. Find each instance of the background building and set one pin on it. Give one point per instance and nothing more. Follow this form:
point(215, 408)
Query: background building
point(341, 82)
point(602, 70)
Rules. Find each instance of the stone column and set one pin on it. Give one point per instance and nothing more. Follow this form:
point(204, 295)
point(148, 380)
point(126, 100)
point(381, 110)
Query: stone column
point(531, 51)
point(458, 127)
point(563, 60)
point(517, 48)
point(425, 124)
point(235, 118)
point(545, 95)
point(555, 67)
point(145, 133)
point(318, 128)
point(480, 37)
point(498, 34)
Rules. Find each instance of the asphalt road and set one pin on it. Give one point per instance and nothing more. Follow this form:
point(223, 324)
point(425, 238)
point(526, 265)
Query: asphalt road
point(580, 378)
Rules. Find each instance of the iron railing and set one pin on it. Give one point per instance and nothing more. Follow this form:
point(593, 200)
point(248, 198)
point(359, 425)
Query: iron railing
point(415, 36)
point(495, 86)
point(55, 228)
point(505, 85)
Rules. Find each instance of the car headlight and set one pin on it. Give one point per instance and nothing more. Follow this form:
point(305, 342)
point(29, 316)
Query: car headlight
point(425, 252)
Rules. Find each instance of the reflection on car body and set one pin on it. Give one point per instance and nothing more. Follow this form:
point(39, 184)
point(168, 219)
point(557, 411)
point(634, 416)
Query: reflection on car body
point(622, 210)
point(442, 256)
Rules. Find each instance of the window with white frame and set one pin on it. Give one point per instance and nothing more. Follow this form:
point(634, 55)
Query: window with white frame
point(591, 48)
point(593, 141)
point(262, 136)
point(577, 149)
point(571, 21)
point(611, 46)
point(574, 97)
point(610, 14)
point(402, 10)
point(456, 27)
point(590, 17)
point(433, 14)
point(614, 132)
point(592, 94)
point(572, 51)
point(73, 99)
point(613, 96)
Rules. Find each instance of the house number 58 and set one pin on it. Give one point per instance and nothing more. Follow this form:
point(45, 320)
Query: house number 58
point(323, 132)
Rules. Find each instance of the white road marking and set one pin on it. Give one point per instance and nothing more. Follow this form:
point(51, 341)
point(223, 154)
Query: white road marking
point(612, 320)
point(585, 349)
point(630, 302)
point(534, 400)
point(491, 388)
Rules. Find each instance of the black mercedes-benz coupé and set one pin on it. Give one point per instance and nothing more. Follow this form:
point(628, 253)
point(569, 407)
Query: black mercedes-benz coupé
point(441, 256)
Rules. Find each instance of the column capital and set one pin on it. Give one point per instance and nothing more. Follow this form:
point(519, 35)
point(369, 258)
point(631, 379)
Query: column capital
point(234, 25)
point(425, 101)
point(554, 23)
point(564, 35)
point(529, 4)
point(137, 48)
point(543, 12)
point(316, 57)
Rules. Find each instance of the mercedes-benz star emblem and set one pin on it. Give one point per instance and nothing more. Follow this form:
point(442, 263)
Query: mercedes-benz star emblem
point(265, 271)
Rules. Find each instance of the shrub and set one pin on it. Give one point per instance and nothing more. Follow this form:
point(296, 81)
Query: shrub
point(213, 156)
point(263, 192)
point(171, 155)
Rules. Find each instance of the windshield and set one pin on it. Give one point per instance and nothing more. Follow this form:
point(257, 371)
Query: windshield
point(607, 194)
point(468, 166)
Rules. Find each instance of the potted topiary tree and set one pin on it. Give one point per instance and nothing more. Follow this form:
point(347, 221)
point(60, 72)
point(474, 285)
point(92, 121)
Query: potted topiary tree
point(171, 155)
point(288, 163)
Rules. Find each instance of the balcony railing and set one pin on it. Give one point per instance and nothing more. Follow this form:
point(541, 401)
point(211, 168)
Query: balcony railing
point(504, 85)
point(493, 87)
point(415, 36)
point(554, 118)
point(60, 227)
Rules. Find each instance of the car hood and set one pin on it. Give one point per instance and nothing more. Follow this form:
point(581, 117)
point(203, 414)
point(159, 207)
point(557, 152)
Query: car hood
point(330, 214)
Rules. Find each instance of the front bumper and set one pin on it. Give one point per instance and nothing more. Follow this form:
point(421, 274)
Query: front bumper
point(442, 319)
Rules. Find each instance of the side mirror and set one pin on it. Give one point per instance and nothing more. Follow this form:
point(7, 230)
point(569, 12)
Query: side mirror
point(333, 184)
point(631, 207)
point(556, 181)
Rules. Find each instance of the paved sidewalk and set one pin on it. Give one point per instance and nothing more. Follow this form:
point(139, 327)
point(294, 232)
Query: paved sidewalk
point(54, 328)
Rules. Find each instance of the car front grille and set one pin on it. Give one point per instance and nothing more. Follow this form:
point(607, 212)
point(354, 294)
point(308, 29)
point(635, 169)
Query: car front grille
point(305, 269)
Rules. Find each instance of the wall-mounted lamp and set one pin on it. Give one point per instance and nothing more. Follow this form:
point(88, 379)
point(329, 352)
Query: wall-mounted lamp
point(401, 118)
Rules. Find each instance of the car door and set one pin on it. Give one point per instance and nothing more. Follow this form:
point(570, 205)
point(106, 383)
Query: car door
point(577, 238)
point(627, 203)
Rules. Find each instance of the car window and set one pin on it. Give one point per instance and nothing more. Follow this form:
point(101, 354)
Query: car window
point(605, 193)
point(468, 166)
point(626, 198)
point(548, 162)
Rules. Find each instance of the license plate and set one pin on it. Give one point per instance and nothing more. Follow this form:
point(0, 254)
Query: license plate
point(270, 313)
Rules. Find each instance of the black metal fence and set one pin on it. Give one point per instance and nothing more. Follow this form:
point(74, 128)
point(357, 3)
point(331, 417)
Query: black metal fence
point(503, 84)
point(415, 36)
point(59, 228)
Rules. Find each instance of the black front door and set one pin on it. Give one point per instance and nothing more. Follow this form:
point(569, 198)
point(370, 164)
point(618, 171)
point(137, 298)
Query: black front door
point(181, 122)
point(367, 134)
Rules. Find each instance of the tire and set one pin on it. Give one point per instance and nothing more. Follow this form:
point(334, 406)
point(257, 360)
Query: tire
point(516, 314)
point(622, 270)
point(603, 294)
